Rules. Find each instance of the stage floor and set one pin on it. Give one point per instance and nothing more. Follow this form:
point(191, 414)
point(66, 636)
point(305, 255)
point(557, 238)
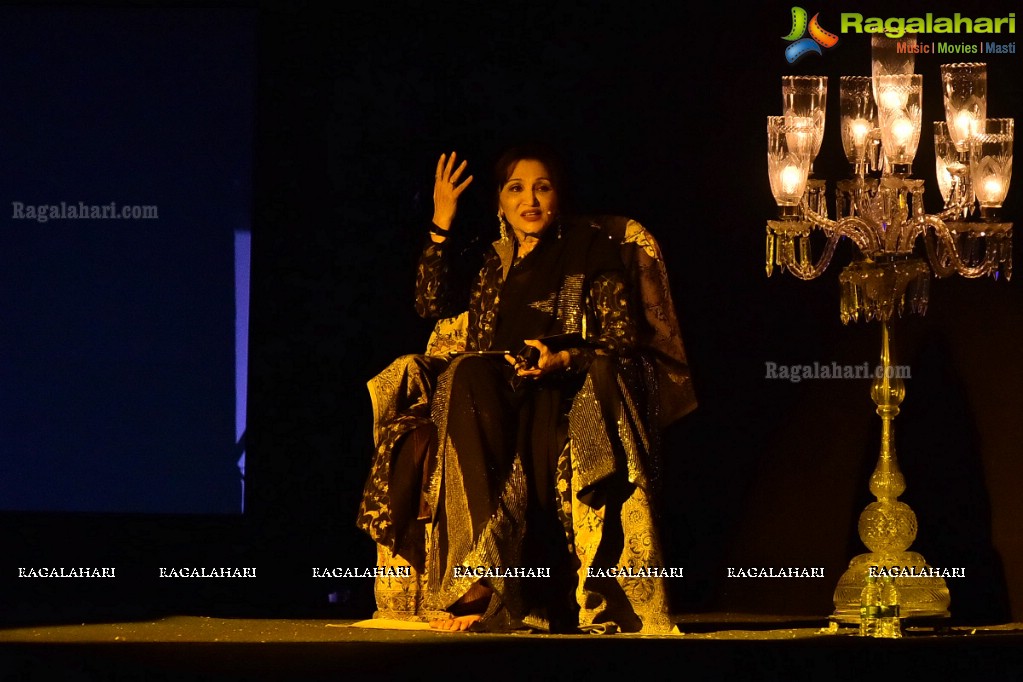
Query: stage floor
point(708, 646)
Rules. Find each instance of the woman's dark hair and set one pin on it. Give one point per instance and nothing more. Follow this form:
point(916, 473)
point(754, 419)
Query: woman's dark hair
point(535, 151)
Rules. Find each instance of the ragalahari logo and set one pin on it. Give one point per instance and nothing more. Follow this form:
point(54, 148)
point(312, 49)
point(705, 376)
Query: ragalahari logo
point(801, 45)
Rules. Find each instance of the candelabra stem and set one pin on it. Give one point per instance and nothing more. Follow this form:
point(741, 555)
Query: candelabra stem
point(887, 391)
point(887, 526)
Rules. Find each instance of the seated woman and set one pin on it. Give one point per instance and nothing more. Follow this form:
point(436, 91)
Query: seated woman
point(478, 442)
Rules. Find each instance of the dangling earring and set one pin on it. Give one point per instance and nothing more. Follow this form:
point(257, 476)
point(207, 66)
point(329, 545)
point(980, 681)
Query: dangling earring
point(557, 224)
point(503, 224)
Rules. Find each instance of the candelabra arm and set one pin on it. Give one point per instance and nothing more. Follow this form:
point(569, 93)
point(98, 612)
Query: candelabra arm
point(940, 253)
point(803, 267)
point(944, 256)
point(820, 221)
point(855, 228)
point(904, 239)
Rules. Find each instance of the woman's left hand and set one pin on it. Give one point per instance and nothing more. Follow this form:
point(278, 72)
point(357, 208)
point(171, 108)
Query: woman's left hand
point(548, 363)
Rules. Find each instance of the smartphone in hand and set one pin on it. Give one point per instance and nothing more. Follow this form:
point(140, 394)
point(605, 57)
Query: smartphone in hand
point(529, 356)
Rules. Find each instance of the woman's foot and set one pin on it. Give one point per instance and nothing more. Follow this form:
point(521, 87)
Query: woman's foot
point(467, 610)
point(456, 623)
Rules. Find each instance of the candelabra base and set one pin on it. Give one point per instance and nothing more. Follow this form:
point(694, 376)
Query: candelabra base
point(920, 595)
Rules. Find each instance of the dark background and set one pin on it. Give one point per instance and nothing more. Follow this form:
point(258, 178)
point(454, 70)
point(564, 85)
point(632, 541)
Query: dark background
point(118, 336)
point(660, 112)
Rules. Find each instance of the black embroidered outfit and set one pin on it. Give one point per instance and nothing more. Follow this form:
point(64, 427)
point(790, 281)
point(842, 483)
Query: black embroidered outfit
point(511, 474)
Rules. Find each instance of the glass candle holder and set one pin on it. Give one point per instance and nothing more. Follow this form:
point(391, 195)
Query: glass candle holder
point(859, 119)
point(789, 148)
point(964, 89)
point(806, 97)
point(899, 110)
point(952, 168)
point(991, 163)
point(891, 56)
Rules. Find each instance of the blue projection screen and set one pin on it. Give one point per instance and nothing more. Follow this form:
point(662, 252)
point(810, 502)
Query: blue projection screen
point(125, 211)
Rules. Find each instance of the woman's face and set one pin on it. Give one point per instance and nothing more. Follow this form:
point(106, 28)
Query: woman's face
point(528, 199)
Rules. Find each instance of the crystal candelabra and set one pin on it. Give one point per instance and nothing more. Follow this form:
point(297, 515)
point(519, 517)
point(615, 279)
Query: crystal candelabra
point(896, 246)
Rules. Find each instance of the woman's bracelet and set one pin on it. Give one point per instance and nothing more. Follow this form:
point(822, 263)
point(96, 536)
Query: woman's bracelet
point(438, 231)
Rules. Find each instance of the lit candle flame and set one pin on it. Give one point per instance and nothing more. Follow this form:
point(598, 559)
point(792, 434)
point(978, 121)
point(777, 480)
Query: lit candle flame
point(993, 189)
point(860, 129)
point(965, 124)
point(891, 98)
point(791, 178)
point(902, 130)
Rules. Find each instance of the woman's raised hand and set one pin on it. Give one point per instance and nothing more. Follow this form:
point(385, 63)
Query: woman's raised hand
point(446, 190)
